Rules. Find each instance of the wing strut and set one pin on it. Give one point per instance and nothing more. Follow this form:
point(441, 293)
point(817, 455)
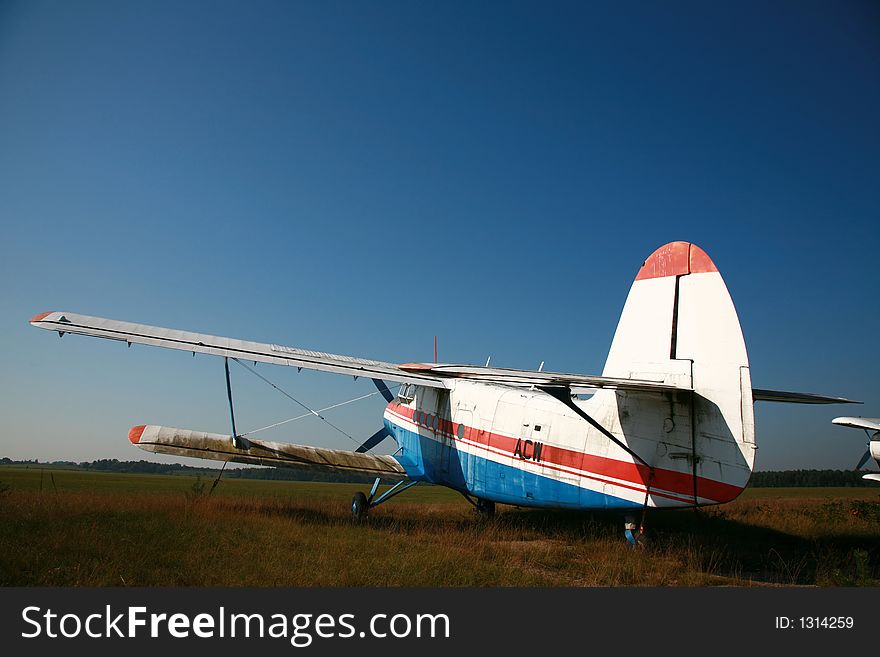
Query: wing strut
point(373, 440)
point(386, 393)
point(237, 442)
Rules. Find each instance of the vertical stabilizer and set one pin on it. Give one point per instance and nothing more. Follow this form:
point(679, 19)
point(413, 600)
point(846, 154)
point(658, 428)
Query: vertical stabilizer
point(679, 325)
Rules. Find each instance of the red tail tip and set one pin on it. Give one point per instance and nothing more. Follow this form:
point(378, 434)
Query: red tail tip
point(676, 259)
point(40, 317)
point(134, 434)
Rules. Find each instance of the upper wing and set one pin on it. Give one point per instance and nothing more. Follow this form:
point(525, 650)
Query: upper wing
point(198, 444)
point(578, 382)
point(869, 423)
point(100, 327)
point(505, 376)
point(425, 374)
point(798, 397)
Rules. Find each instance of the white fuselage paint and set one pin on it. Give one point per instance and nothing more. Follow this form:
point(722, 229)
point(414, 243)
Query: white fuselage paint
point(505, 426)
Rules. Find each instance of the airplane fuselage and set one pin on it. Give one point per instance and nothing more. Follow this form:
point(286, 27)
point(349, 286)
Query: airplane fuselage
point(524, 447)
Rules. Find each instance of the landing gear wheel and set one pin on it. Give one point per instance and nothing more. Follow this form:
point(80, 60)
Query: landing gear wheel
point(486, 509)
point(359, 506)
point(630, 531)
point(635, 534)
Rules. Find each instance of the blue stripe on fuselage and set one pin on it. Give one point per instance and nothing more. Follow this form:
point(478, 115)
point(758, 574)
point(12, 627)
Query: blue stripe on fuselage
point(431, 459)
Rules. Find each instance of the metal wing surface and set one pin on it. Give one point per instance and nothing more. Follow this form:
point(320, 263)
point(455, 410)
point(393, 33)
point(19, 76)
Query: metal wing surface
point(426, 374)
point(868, 423)
point(202, 343)
point(219, 447)
point(585, 382)
point(514, 377)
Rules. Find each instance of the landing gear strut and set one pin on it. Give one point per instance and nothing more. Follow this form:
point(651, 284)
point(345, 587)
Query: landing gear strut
point(635, 534)
point(486, 508)
point(361, 503)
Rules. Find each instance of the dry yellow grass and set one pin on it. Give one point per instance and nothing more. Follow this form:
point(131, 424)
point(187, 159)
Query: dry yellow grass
point(132, 531)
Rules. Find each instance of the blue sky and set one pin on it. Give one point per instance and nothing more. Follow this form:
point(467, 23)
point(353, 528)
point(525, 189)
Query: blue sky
point(357, 177)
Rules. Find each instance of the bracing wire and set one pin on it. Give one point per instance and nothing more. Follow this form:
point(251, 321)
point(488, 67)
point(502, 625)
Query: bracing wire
point(311, 411)
point(320, 410)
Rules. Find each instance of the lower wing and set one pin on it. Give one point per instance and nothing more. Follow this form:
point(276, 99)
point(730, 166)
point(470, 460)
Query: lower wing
point(219, 447)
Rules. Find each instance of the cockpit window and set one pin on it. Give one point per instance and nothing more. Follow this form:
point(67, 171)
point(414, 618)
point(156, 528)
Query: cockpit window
point(406, 393)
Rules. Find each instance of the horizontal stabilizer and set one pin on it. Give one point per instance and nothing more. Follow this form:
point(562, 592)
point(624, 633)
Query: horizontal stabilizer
point(219, 447)
point(798, 397)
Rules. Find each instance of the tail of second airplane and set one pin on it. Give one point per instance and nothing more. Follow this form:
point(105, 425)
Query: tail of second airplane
point(679, 326)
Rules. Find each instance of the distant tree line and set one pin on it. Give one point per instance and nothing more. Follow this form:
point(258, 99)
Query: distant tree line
point(766, 479)
point(148, 467)
point(808, 479)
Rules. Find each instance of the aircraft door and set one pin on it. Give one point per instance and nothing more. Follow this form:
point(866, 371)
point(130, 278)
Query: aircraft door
point(462, 428)
point(529, 452)
point(550, 455)
point(504, 477)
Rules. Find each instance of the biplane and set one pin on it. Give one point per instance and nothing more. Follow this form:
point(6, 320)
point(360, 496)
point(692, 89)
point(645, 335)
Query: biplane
point(668, 424)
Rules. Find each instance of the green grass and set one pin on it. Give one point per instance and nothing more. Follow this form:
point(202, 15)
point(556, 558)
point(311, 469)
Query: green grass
point(101, 529)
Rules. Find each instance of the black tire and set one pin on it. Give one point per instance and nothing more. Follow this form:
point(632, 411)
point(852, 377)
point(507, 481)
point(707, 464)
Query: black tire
point(359, 506)
point(486, 509)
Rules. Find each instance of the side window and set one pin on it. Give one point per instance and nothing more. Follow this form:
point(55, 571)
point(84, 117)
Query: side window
point(406, 393)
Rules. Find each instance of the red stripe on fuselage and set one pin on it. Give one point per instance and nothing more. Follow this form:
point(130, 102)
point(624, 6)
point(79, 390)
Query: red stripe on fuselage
point(592, 476)
point(565, 470)
point(551, 455)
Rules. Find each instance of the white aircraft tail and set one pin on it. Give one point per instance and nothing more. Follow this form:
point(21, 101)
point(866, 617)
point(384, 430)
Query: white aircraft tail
point(679, 326)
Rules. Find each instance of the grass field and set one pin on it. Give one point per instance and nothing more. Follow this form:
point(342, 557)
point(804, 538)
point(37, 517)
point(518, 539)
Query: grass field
point(70, 528)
